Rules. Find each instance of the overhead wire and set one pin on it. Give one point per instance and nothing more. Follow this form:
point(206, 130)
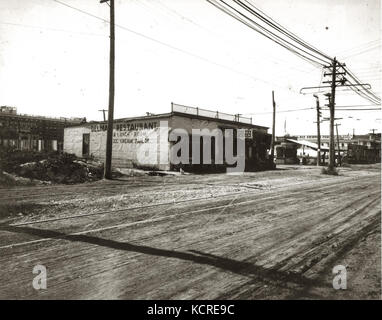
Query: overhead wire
point(368, 94)
point(268, 20)
point(250, 8)
point(169, 45)
point(265, 32)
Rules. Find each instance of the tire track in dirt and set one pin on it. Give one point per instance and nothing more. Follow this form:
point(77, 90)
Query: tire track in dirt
point(223, 240)
point(307, 259)
point(150, 220)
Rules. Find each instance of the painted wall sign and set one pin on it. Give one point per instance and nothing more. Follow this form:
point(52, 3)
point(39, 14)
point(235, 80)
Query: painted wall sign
point(125, 126)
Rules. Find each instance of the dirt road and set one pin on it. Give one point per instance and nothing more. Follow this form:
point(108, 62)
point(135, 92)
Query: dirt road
point(266, 235)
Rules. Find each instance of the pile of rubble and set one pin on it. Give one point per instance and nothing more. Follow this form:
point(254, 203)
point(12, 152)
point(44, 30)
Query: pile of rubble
point(52, 167)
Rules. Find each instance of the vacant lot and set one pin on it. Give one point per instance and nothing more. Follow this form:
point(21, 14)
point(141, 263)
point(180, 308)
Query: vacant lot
point(263, 235)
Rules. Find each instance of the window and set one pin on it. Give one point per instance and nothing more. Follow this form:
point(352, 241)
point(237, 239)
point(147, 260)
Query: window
point(85, 144)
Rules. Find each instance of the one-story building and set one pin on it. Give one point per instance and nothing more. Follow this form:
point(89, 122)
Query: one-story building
point(291, 150)
point(143, 142)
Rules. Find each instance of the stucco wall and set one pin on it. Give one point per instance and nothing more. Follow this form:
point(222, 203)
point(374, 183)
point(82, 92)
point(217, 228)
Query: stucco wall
point(194, 123)
point(135, 143)
point(73, 139)
point(135, 148)
point(190, 123)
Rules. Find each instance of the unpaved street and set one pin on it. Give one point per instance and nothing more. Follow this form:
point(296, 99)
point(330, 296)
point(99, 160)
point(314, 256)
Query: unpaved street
point(258, 235)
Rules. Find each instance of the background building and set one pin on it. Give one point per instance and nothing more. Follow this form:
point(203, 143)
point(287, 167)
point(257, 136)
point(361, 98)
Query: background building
point(286, 150)
point(26, 132)
point(344, 141)
point(352, 148)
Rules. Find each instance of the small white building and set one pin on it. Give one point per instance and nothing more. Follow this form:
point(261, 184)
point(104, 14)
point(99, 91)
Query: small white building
point(146, 138)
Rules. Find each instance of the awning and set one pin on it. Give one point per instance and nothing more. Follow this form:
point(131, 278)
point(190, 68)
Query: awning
point(309, 144)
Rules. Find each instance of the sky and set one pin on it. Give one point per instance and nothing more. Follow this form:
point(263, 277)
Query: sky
point(54, 59)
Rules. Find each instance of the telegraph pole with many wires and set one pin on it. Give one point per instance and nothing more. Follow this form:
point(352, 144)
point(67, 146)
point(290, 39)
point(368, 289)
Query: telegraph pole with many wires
point(331, 106)
point(332, 102)
point(109, 138)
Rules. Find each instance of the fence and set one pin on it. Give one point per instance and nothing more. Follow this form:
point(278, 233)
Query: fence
point(209, 114)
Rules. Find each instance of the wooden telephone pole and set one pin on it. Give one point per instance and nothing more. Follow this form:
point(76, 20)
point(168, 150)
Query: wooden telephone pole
point(110, 120)
point(104, 113)
point(273, 127)
point(373, 139)
point(318, 131)
point(332, 102)
point(332, 105)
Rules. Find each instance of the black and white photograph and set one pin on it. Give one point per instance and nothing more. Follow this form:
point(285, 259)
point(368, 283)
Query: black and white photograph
point(203, 152)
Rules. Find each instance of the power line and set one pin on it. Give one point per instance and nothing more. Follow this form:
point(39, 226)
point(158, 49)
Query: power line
point(315, 63)
point(270, 35)
point(169, 45)
point(366, 44)
point(359, 82)
point(365, 95)
point(279, 111)
point(371, 109)
point(265, 32)
point(51, 29)
point(356, 105)
point(374, 99)
point(363, 51)
point(272, 23)
point(370, 67)
point(172, 13)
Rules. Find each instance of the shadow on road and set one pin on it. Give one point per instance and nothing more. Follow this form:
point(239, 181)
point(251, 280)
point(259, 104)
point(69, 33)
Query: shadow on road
point(247, 269)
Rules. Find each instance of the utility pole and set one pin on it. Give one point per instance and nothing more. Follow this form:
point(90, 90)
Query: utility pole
point(104, 115)
point(338, 145)
point(273, 127)
point(109, 138)
point(373, 139)
point(332, 104)
point(318, 131)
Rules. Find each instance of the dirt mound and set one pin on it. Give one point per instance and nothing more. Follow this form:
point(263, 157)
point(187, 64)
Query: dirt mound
point(54, 167)
point(11, 180)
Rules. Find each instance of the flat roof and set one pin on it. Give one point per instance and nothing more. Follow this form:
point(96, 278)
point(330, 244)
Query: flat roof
point(41, 118)
point(171, 114)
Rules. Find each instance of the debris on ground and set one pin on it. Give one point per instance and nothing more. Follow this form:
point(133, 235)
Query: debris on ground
point(51, 167)
point(10, 180)
point(333, 172)
point(133, 172)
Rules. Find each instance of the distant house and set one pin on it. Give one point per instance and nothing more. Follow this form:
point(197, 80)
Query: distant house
point(286, 151)
point(364, 148)
point(291, 150)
